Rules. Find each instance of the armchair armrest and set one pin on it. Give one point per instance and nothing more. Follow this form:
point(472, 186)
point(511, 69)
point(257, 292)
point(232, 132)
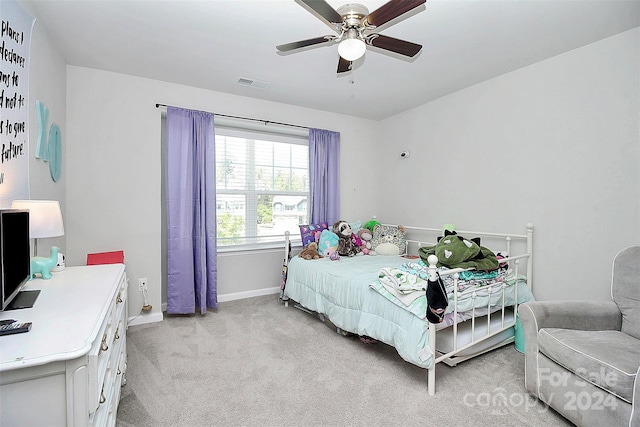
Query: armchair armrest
point(582, 315)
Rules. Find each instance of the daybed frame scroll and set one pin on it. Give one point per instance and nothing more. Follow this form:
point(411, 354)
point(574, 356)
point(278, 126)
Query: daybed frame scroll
point(417, 237)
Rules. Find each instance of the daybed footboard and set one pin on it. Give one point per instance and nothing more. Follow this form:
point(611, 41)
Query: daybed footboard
point(479, 317)
point(485, 322)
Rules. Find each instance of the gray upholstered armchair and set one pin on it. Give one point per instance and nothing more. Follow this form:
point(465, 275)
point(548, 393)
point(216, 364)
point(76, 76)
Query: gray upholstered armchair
point(582, 358)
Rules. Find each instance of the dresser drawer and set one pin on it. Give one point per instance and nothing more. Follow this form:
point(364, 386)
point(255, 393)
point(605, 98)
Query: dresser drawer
point(107, 347)
point(106, 411)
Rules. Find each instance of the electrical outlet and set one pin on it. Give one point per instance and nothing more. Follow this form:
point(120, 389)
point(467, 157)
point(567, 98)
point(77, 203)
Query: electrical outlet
point(142, 284)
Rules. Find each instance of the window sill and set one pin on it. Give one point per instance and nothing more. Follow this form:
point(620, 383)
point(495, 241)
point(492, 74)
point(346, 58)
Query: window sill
point(264, 247)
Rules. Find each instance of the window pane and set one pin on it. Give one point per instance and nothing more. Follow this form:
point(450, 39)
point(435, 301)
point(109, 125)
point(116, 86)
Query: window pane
point(264, 153)
point(300, 180)
point(283, 179)
point(300, 156)
point(230, 218)
point(288, 213)
point(231, 168)
point(282, 155)
point(263, 187)
point(238, 179)
point(264, 178)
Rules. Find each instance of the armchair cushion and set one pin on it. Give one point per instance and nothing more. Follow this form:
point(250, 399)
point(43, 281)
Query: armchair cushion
point(608, 359)
point(624, 289)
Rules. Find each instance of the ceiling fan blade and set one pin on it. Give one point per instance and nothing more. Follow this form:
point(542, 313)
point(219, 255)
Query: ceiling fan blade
point(391, 10)
point(323, 9)
point(304, 43)
point(395, 45)
point(344, 65)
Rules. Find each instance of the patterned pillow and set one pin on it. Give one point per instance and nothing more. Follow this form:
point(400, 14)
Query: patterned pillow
point(311, 232)
point(389, 240)
point(328, 243)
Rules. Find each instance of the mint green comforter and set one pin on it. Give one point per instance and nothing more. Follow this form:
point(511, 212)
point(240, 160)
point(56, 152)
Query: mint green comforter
point(344, 291)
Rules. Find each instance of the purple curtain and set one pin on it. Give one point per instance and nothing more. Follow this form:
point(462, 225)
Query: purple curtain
point(324, 153)
point(191, 212)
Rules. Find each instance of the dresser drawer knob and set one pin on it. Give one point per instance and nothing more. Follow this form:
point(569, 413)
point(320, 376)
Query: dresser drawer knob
point(103, 346)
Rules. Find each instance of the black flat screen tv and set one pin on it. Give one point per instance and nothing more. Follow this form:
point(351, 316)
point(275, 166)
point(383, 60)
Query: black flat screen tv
point(15, 254)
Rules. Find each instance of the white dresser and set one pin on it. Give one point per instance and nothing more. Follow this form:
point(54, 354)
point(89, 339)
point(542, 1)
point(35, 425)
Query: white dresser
point(69, 368)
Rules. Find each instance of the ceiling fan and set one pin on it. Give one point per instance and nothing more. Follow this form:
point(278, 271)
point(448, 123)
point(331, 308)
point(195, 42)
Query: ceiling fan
point(356, 29)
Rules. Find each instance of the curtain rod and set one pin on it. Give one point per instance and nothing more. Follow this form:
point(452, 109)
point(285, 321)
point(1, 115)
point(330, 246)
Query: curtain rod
point(266, 122)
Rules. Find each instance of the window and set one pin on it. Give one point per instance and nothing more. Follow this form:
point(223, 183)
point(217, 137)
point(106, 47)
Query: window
point(262, 185)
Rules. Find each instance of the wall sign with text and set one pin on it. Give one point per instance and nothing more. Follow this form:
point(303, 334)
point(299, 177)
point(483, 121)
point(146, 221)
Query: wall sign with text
point(15, 42)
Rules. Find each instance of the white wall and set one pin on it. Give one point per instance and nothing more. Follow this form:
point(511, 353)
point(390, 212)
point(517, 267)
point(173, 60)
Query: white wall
point(564, 131)
point(114, 173)
point(47, 83)
point(556, 143)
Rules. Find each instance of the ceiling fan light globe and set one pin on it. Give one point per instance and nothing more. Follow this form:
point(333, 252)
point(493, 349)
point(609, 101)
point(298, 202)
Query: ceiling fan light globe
point(351, 49)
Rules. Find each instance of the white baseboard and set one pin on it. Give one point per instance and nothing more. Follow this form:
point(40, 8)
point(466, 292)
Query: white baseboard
point(248, 294)
point(144, 318)
point(241, 295)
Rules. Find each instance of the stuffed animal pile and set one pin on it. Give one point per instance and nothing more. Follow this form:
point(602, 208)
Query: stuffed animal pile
point(343, 239)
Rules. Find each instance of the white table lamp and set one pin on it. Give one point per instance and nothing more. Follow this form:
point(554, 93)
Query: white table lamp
point(45, 219)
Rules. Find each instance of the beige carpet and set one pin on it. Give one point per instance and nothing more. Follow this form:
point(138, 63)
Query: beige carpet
point(256, 363)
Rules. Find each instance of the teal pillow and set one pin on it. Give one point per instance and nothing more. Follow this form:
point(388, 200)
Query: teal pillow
point(328, 243)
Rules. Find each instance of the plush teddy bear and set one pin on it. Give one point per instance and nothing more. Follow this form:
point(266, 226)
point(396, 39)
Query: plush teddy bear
point(310, 252)
point(346, 247)
point(366, 236)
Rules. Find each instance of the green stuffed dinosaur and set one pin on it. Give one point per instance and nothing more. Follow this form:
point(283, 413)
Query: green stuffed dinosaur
point(455, 251)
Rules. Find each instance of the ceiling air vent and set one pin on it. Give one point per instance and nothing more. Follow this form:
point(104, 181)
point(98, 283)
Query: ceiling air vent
point(257, 84)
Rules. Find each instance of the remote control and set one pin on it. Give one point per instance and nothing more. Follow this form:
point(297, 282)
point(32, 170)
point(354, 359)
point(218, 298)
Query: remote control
point(15, 328)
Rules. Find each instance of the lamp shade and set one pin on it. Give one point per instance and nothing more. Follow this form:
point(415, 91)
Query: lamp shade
point(351, 49)
point(45, 217)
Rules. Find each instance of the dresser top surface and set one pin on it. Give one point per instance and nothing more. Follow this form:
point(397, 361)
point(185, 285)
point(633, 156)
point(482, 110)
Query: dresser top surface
point(66, 318)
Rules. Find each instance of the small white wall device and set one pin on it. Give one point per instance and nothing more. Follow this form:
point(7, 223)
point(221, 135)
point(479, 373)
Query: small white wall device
point(405, 154)
point(60, 264)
